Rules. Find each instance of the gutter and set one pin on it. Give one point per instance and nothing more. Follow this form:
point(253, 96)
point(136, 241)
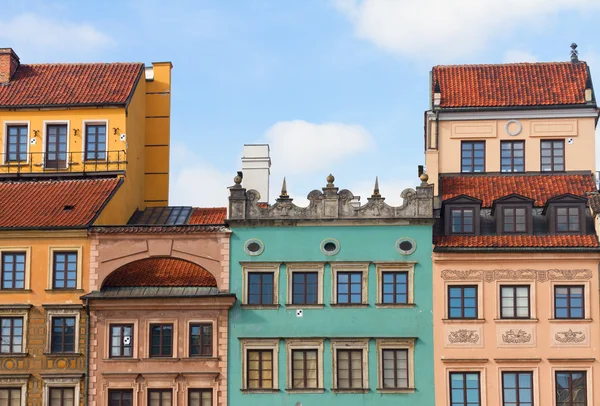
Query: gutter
point(515, 108)
point(515, 249)
point(86, 382)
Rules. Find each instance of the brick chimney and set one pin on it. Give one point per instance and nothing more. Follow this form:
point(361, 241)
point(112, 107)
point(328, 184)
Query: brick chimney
point(9, 62)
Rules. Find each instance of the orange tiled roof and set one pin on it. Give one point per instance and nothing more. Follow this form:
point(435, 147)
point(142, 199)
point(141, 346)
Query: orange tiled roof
point(538, 187)
point(53, 203)
point(208, 215)
point(70, 84)
point(594, 202)
point(515, 84)
point(516, 241)
point(160, 272)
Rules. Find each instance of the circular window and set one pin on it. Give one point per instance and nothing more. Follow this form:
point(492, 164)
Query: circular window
point(330, 246)
point(406, 246)
point(254, 247)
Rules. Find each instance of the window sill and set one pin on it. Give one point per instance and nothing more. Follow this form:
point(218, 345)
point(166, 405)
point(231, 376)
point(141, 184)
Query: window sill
point(307, 390)
point(396, 390)
point(353, 390)
point(395, 305)
point(308, 306)
point(200, 358)
point(260, 307)
point(64, 290)
point(122, 359)
point(249, 391)
point(63, 354)
point(356, 305)
point(567, 321)
point(15, 290)
point(463, 321)
point(516, 321)
point(14, 355)
point(161, 359)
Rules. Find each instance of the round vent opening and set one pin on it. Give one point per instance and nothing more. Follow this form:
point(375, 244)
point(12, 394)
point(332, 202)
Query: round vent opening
point(254, 247)
point(330, 246)
point(406, 246)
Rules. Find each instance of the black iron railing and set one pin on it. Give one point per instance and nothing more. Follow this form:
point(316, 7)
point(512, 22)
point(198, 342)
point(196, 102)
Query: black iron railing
point(72, 161)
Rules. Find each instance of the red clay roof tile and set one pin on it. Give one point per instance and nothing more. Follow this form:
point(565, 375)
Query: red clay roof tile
point(517, 241)
point(53, 203)
point(70, 84)
point(208, 215)
point(161, 271)
point(538, 187)
point(517, 84)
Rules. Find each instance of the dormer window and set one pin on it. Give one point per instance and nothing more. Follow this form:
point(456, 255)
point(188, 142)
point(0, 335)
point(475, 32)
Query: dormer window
point(461, 215)
point(567, 220)
point(514, 220)
point(513, 214)
point(566, 214)
point(462, 220)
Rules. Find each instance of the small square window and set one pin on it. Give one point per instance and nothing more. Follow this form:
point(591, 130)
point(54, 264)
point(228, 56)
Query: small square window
point(394, 287)
point(13, 270)
point(462, 221)
point(349, 287)
point(305, 288)
point(64, 272)
point(63, 334)
point(568, 220)
point(260, 288)
point(462, 302)
point(200, 397)
point(201, 336)
point(514, 220)
point(261, 285)
point(514, 302)
point(12, 335)
point(465, 389)
point(569, 301)
point(121, 340)
point(161, 340)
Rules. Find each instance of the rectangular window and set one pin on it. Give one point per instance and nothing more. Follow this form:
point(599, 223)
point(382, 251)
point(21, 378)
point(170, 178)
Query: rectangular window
point(568, 302)
point(56, 146)
point(16, 143)
point(514, 220)
point(12, 335)
point(462, 221)
point(571, 388)
point(305, 288)
point(472, 156)
point(64, 274)
point(512, 156)
point(95, 142)
point(199, 397)
point(567, 220)
point(121, 340)
point(462, 302)
point(349, 369)
point(10, 396)
point(394, 287)
point(13, 270)
point(62, 396)
point(349, 287)
point(120, 397)
point(63, 334)
point(160, 397)
point(395, 368)
point(161, 340)
point(517, 389)
point(260, 288)
point(201, 340)
point(553, 155)
point(464, 389)
point(305, 373)
point(514, 302)
point(259, 372)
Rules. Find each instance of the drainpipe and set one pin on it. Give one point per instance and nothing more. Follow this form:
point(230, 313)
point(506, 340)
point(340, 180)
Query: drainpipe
point(437, 131)
point(86, 382)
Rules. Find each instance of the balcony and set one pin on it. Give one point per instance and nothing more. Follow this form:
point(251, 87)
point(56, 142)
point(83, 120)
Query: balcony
point(16, 164)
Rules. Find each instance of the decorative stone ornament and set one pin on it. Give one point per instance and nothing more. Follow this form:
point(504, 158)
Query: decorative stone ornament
point(463, 336)
point(330, 246)
point(570, 336)
point(516, 337)
point(517, 127)
point(254, 247)
point(406, 245)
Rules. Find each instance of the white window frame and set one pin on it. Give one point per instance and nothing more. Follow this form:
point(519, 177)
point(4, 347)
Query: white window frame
point(84, 125)
point(362, 267)
point(56, 248)
point(214, 337)
point(16, 381)
point(260, 344)
point(409, 268)
point(5, 140)
point(264, 268)
point(396, 344)
point(18, 311)
point(45, 138)
point(136, 342)
point(50, 315)
point(350, 344)
point(292, 268)
point(27, 281)
point(305, 344)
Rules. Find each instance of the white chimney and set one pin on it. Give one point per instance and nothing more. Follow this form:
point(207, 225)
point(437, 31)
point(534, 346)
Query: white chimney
point(256, 166)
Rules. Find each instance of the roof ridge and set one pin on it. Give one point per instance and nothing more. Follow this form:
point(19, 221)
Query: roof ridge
point(79, 63)
point(510, 64)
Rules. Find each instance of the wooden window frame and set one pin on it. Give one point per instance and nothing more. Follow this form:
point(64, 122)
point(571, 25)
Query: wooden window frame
point(66, 280)
point(250, 268)
point(161, 391)
point(462, 211)
point(395, 283)
point(62, 390)
point(514, 307)
point(260, 369)
point(51, 267)
point(344, 267)
point(200, 391)
point(122, 346)
point(95, 151)
point(47, 126)
point(309, 267)
point(262, 276)
point(25, 255)
point(353, 345)
point(304, 293)
point(18, 152)
point(350, 352)
point(514, 208)
point(569, 308)
point(63, 334)
point(464, 375)
point(388, 267)
point(12, 335)
point(518, 387)
point(472, 156)
point(121, 391)
point(395, 361)
point(350, 283)
point(260, 344)
point(568, 208)
point(202, 344)
point(407, 345)
point(553, 156)
point(161, 345)
point(570, 373)
point(305, 351)
point(512, 156)
point(462, 298)
point(298, 344)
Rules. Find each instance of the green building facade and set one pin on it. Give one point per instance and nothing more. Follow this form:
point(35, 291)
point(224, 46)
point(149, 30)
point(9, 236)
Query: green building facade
point(334, 299)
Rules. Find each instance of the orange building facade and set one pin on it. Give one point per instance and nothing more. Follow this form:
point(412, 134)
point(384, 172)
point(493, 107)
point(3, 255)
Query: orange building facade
point(510, 149)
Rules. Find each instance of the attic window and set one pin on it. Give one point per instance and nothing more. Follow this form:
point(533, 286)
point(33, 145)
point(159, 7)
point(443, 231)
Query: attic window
point(567, 220)
point(68, 207)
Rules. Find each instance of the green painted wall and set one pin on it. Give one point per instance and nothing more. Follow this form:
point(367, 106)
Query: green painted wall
point(358, 243)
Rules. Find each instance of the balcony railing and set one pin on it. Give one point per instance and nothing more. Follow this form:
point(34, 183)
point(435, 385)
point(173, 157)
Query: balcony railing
point(16, 163)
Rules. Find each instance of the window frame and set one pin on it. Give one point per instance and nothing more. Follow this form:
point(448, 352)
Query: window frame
point(512, 156)
point(3, 254)
point(160, 390)
point(247, 269)
point(9, 250)
point(396, 344)
point(193, 324)
point(132, 344)
point(385, 267)
point(63, 335)
point(569, 287)
point(584, 371)
point(514, 208)
point(45, 136)
point(297, 344)
point(62, 390)
point(352, 267)
point(514, 308)
point(552, 155)
point(464, 373)
point(85, 124)
point(352, 345)
point(121, 391)
point(10, 390)
point(462, 287)
point(472, 156)
point(12, 336)
point(579, 222)
point(260, 344)
point(162, 325)
point(518, 389)
point(7, 126)
point(293, 268)
point(200, 391)
point(66, 382)
point(59, 249)
point(462, 210)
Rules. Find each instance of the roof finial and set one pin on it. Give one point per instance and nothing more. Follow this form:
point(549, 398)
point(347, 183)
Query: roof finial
point(376, 188)
point(574, 53)
point(284, 193)
point(238, 178)
point(330, 180)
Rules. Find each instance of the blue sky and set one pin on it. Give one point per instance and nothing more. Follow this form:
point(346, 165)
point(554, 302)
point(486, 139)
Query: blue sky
point(333, 85)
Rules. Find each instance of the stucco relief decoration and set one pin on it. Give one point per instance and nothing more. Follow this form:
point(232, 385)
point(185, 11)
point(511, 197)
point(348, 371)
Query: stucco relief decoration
point(463, 336)
point(513, 127)
point(567, 337)
point(516, 337)
point(520, 274)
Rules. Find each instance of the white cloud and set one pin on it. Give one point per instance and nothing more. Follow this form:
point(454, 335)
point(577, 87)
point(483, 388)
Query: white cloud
point(35, 37)
point(447, 30)
point(302, 147)
point(517, 55)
